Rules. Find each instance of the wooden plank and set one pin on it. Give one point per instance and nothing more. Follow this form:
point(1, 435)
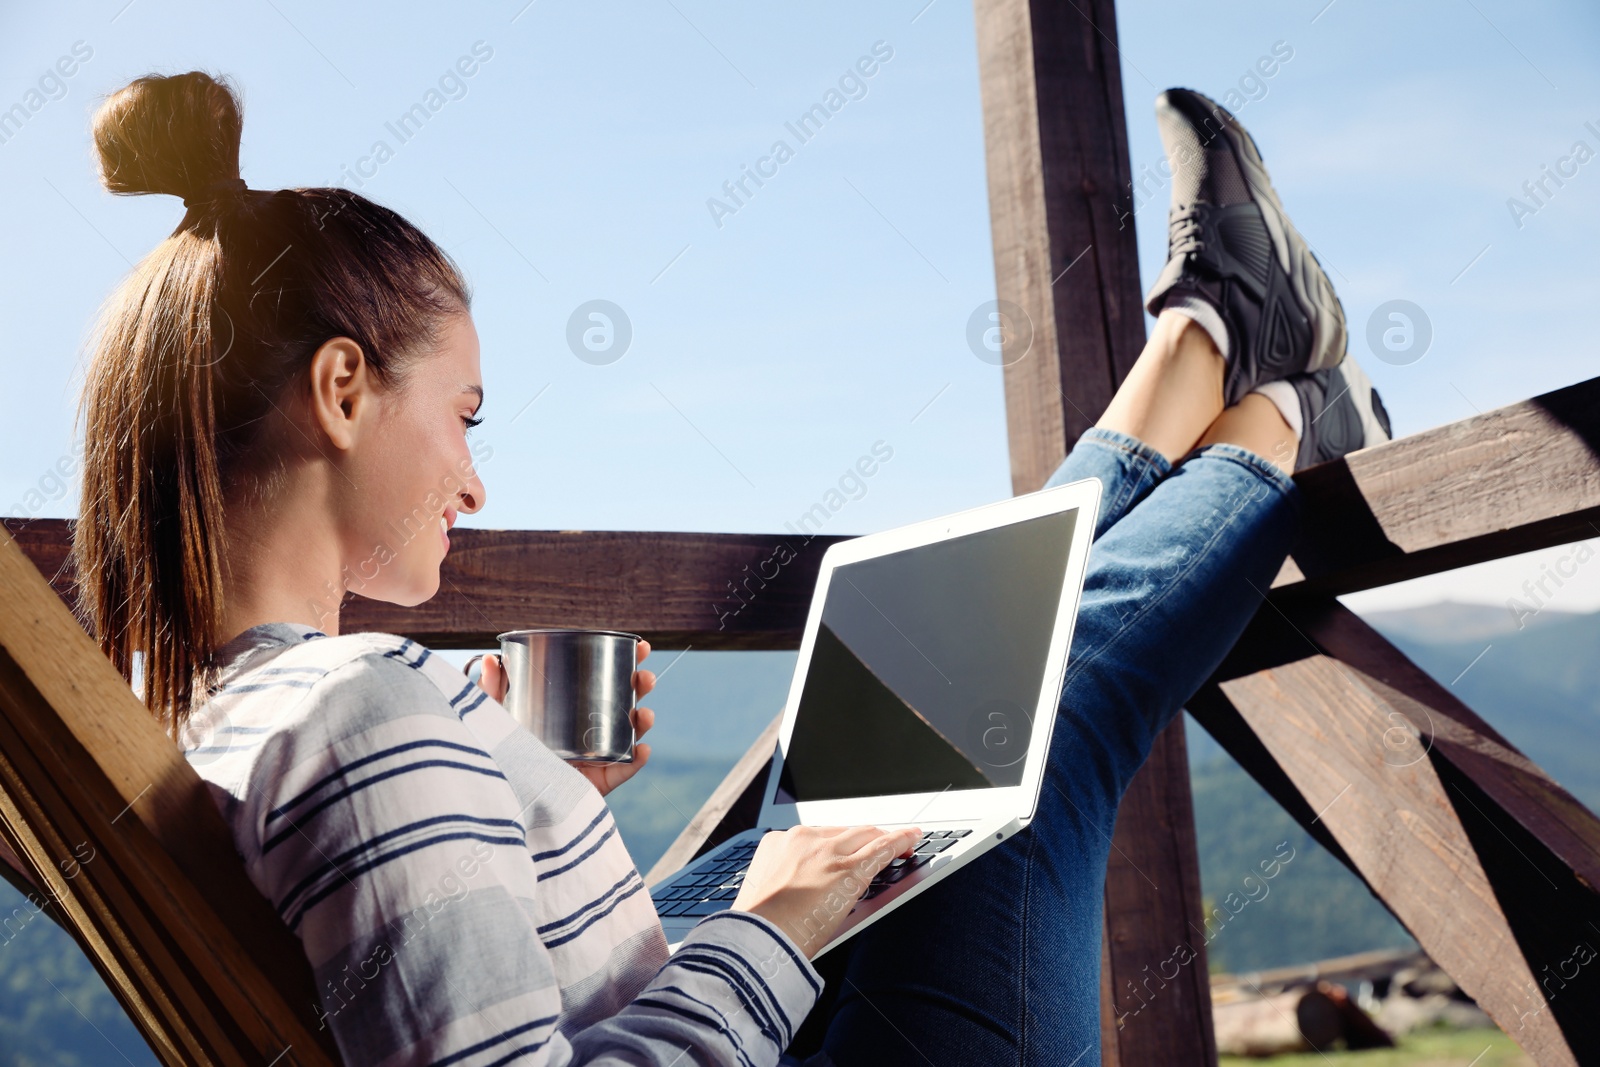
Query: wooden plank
point(113, 824)
point(747, 591)
point(1519, 478)
point(1065, 255)
point(732, 807)
point(743, 591)
point(1489, 863)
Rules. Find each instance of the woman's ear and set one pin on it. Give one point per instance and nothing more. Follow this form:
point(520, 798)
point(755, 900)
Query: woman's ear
point(342, 388)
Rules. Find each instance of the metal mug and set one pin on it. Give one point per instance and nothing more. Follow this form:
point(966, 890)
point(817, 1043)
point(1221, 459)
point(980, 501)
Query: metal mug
point(573, 689)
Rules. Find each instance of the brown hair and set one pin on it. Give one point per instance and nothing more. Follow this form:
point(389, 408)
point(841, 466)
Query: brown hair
point(196, 349)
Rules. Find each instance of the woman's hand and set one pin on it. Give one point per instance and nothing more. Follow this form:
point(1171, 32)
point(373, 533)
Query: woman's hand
point(605, 776)
point(807, 878)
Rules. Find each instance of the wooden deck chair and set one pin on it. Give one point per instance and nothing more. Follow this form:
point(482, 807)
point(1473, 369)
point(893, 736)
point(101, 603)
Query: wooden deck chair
point(118, 831)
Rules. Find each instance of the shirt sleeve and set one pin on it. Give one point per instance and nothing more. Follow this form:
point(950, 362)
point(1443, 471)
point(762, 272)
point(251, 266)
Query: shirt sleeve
point(392, 844)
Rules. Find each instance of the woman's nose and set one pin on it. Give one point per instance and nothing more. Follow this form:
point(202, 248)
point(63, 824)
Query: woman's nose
point(473, 495)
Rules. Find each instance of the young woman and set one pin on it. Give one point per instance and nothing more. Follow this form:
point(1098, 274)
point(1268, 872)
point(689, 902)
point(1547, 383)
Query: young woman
point(277, 412)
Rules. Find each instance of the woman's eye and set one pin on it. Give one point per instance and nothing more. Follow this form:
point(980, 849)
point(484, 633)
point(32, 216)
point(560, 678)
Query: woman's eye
point(470, 422)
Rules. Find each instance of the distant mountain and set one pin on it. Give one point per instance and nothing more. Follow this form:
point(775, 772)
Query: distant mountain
point(1449, 622)
point(712, 705)
point(1314, 909)
point(1538, 685)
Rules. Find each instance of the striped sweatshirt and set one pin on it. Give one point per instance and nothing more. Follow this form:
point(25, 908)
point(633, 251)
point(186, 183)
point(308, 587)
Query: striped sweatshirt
point(462, 893)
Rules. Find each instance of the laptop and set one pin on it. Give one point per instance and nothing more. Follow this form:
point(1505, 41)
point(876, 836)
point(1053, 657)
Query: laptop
point(925, 694)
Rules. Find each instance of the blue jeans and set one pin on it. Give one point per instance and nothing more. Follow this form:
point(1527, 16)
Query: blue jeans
point(1000, 963)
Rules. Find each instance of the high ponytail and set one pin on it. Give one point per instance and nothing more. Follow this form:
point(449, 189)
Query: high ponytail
point(196, 349)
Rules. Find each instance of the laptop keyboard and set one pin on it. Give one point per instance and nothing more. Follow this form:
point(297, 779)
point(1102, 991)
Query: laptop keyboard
point(713, 884)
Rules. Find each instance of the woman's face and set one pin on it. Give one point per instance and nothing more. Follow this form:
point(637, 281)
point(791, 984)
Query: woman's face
point(417, 473)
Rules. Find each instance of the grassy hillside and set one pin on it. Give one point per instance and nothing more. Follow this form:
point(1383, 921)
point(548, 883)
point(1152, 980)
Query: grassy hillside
point(54, 1009)
point(1426, 1048)
point(1313, 909)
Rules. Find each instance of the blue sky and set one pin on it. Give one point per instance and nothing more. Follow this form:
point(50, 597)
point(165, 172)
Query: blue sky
point(828, 313)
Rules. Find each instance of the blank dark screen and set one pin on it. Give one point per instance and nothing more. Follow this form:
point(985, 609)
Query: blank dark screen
point(927, 666)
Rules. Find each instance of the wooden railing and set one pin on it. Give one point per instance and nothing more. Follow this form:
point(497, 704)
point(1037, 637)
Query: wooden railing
point(1488, 862)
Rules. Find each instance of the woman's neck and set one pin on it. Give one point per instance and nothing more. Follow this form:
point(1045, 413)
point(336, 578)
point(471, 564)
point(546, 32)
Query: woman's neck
point(282, 564)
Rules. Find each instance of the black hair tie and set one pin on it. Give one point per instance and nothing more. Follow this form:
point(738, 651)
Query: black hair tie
point(222, 189)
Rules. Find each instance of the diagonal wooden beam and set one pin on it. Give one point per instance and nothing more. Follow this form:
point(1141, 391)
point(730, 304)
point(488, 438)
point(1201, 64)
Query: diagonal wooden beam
point(1490, 864)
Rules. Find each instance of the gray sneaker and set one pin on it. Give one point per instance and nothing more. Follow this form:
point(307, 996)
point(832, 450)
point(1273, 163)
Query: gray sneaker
point(1340, 413)
point(1230, 243)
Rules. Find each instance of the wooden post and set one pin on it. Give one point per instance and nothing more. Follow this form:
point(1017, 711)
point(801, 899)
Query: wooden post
point(1067, 280)
point(1064, 250)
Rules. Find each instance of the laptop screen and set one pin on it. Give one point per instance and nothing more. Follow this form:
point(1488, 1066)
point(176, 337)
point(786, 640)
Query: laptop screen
point(928, 664)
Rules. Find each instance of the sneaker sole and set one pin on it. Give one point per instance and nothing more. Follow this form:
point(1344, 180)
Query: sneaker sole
point(1374, 418)
point(1311, 285)
point(1357, 391)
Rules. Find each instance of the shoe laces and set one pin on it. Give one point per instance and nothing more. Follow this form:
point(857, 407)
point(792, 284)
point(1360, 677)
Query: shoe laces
point(1185, 231)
